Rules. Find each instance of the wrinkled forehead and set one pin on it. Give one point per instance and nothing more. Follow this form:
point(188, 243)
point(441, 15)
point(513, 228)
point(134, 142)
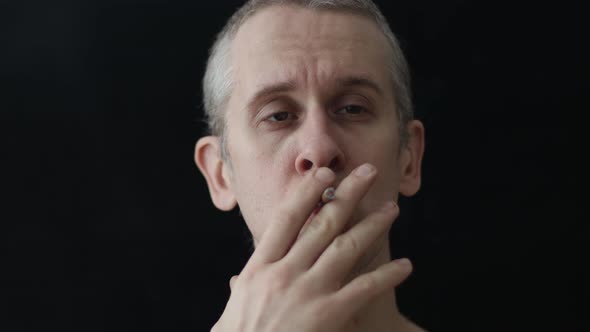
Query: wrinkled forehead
point(278, 41)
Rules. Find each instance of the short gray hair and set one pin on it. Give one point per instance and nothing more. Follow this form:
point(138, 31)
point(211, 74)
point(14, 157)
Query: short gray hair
point(217, 82)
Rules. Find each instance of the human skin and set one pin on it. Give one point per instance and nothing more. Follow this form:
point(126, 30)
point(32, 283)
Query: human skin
point(327, 107)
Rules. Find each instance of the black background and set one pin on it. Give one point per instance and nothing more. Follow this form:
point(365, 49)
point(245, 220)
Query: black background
point(107, 224)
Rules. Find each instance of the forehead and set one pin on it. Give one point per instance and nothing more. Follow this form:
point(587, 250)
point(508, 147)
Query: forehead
point(290, 43)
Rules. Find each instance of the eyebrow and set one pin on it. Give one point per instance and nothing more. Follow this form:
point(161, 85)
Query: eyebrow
point(271, 89)
point(346, 82)
point(360, 81)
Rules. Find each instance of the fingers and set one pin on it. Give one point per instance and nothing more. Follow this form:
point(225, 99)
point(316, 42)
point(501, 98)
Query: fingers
point(283, 231)
point(364, 288)
point(332, 218)
point(337, 261)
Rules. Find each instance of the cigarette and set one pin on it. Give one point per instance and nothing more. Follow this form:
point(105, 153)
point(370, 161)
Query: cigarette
point(328, 195)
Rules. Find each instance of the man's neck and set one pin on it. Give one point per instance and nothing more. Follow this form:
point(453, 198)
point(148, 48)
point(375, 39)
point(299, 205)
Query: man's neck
point(381, 314)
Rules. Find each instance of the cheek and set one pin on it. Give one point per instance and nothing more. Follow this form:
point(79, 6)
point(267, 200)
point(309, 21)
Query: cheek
point(260, 185)
point(383, 153)
point(377, 146)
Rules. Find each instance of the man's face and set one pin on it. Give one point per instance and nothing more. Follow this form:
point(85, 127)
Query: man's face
point(311, 89)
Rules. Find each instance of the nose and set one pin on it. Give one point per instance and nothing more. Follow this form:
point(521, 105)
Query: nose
point(319, 148)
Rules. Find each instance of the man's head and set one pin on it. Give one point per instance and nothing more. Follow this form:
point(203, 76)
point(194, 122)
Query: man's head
point(292, 86)
point(218, 80)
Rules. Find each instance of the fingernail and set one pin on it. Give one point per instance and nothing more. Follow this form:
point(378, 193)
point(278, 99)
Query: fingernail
point(365, 170)
point(324, 174)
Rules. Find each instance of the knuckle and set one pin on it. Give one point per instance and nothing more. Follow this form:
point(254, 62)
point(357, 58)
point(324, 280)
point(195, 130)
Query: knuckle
point(280, 279)
point(328, 225)
point(346, 242)
point(367, 283)
point(247, 276)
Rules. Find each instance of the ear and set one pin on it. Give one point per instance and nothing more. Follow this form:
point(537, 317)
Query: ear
point(216, 172)
point(411, 159)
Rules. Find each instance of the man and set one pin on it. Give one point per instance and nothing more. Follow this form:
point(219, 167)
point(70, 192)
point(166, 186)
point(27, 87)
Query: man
point(302, 96)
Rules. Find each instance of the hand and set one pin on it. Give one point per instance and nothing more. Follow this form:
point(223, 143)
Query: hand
point(297, 281)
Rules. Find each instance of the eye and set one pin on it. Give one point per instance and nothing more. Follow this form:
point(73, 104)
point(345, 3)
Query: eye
point(280, 117)
point(351, 110)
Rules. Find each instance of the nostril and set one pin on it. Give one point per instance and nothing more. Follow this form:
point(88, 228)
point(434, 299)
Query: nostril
point(307, 165)
point(333, 163)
